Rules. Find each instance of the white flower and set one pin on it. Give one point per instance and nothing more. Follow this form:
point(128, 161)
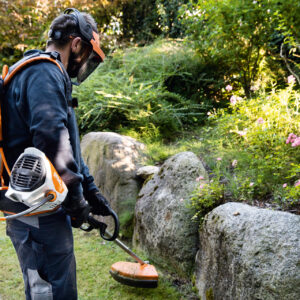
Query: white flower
point(228, 88)
point(291, 79)
point(234, 163)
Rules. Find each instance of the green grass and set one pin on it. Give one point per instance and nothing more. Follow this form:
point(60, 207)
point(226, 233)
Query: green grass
point(94, 258)
point(11, 281)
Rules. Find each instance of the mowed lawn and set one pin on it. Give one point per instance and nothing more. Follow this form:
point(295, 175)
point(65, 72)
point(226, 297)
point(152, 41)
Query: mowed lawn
point(94, 258)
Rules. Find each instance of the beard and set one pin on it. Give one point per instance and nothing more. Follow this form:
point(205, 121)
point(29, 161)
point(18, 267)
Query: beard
point(73, 65)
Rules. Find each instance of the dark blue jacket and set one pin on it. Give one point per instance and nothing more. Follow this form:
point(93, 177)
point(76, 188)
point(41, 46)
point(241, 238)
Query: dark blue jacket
point(36, 112)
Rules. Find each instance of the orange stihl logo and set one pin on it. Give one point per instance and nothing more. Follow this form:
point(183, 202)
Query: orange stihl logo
point(57, 181)
point(57, 178)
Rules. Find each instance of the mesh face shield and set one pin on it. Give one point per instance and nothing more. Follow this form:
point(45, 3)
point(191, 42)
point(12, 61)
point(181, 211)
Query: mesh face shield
point(95, 58)
point(88, 67)
point(92, 38)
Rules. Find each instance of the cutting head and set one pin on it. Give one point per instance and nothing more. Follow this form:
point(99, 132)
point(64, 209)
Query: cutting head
point(135, 274)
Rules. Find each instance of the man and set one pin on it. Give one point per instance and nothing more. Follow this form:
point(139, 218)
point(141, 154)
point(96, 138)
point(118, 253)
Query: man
point(37, 112)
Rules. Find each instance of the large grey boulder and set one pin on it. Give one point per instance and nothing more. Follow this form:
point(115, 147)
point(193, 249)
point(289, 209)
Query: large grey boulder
point(164, 228)
point(249, 253)
point(113, 160)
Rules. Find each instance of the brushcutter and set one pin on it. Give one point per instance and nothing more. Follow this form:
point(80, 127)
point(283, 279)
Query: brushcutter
point(35, 183)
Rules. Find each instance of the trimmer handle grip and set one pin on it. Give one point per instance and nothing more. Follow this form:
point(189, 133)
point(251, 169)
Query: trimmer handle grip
point(111, 237)
point(95, 224)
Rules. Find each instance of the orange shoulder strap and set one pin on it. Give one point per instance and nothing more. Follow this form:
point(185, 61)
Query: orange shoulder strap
point(27, 62)
point(4, 71)
point(6, 76)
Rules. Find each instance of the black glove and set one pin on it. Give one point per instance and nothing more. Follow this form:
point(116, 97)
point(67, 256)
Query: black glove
point(98, 203)
point(77, 210)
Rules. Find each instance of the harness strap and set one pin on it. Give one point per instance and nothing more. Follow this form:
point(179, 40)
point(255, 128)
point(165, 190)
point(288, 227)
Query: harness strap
point(3, 159)
point(4, 71)
point(7, 77)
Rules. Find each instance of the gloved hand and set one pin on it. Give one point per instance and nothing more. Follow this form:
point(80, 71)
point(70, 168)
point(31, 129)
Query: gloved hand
point(78, 211)
point(98, 203)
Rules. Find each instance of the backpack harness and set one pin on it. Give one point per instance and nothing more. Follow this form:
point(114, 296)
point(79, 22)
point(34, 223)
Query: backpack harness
point(7, 75)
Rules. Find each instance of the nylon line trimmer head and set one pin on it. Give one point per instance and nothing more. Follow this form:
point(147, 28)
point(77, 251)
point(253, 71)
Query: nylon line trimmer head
point(134, 274)
point(138, 274)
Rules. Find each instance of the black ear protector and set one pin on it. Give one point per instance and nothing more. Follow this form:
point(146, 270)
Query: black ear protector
point(85, 28)
point(55, 35)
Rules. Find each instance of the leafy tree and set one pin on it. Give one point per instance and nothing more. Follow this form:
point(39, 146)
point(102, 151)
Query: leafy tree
point(286, 16)
point(24, 23)
point(240, 32)
point(169, 18)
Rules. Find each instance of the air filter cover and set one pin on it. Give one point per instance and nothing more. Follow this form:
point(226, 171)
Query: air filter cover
point(28, 173)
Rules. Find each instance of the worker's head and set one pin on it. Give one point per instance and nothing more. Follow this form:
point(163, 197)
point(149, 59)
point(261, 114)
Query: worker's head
point(77, 32)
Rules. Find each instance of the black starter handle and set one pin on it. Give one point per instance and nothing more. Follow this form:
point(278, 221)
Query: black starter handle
point(95, 224)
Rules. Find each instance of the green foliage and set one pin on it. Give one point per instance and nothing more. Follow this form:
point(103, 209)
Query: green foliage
point(240, 34)
point(206, 197)
point(126, 218)
point(24, 23)
point(168, 16)
point(145, 20)
point(209, 294)
point(286, 14)
point(134, 90)
point(250, 159)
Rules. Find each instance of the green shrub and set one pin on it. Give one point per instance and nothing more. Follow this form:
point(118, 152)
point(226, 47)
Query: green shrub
point(251, 155)
point(137, 89)
point(207, 196)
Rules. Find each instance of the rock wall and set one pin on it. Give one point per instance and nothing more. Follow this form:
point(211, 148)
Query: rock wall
point(163, 223)
point(249, 253)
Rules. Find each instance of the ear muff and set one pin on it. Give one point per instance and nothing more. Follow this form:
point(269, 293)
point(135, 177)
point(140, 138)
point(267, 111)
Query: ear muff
point(54, 34)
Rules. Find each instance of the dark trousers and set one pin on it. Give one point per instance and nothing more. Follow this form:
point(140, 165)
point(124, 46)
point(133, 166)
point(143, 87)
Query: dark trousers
point(46, 257)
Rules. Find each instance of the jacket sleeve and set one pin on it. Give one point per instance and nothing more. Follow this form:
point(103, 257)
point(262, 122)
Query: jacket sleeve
point(48, 116)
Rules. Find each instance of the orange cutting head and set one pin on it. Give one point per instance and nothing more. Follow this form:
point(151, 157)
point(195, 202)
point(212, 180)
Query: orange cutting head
point(135, 274)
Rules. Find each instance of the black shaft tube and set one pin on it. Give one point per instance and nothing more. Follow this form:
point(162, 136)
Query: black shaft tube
point(126, 249)
point(130, 252)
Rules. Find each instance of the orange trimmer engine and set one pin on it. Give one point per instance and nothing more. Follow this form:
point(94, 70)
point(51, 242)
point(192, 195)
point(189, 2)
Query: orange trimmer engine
point(35, 183)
